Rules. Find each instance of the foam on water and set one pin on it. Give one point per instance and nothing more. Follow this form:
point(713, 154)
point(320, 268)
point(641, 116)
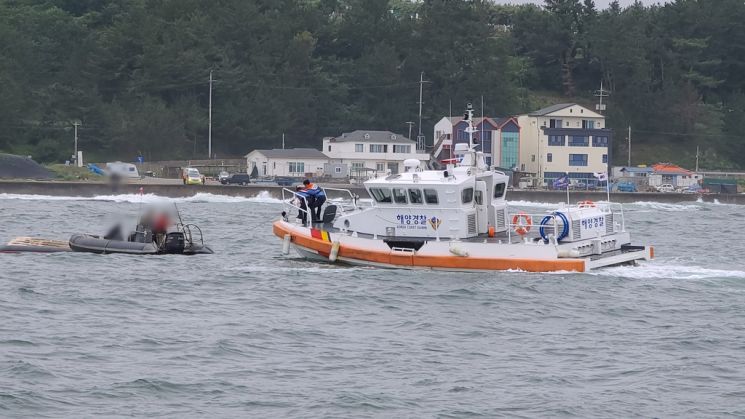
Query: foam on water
point(658, 270)
point(263, 197)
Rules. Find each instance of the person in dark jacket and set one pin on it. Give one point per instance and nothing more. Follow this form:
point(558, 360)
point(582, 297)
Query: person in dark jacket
point(300, 199)
point(316, 201)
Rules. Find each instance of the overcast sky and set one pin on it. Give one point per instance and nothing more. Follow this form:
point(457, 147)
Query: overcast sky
point(601, 4)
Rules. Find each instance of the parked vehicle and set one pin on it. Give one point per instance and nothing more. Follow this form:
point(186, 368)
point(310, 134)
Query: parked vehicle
point(285, 181)
point(237, 179)
point(666, 188)
point(223, 176)
point(626, 187)
point(578, 185)
point(191, 176)
point(121, 169)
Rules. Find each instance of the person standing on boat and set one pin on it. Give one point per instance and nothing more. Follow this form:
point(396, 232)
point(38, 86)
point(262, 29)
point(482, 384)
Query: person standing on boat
point(301, 197)
point(317, 198)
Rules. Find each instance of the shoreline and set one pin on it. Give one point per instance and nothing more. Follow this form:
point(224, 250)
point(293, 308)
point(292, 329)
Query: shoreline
point(92, 189)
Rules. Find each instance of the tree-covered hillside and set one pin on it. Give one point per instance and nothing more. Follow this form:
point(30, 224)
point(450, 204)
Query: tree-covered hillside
point(135, 72)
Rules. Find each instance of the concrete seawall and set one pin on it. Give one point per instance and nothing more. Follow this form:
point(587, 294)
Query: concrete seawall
point(91, 189)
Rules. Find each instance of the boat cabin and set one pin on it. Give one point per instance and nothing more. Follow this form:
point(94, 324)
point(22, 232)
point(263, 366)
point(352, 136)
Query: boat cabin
point(459, 202)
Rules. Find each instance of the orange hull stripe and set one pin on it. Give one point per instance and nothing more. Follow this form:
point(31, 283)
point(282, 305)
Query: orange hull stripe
point(446, 262)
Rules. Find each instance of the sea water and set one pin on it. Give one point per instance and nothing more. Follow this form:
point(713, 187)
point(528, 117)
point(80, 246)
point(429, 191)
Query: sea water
point(247, 332)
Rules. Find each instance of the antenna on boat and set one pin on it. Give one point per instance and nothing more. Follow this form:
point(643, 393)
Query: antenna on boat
point(179, 214)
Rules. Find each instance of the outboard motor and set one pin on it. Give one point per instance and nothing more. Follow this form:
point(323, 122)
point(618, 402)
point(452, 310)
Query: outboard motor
point(175, 242)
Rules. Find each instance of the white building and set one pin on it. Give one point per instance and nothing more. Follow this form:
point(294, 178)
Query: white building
point(564, 138)
point(370, 153)
point(292, 162)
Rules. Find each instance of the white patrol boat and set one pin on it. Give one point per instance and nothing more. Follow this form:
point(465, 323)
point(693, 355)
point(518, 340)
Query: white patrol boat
point(458, 219)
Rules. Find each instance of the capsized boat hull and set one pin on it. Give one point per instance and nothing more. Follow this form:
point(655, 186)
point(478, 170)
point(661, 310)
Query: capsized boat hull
point(446, 255)
point(94, 244)
point(35, 245)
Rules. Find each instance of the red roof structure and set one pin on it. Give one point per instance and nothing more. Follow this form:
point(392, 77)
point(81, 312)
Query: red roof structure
point(670, 169)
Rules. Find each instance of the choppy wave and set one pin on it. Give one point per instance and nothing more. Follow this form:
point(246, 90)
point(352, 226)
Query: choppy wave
point(663, 206)
point(641, 206)
point(263, 196)
point(658, 270)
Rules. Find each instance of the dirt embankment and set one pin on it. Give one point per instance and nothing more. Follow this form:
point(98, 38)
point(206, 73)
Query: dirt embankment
point(18, 167)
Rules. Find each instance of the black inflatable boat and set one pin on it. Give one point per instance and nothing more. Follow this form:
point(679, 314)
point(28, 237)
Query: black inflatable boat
point(180, 241)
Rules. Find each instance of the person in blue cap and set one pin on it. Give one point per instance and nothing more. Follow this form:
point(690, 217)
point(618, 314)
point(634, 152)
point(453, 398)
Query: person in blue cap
point(317, 198)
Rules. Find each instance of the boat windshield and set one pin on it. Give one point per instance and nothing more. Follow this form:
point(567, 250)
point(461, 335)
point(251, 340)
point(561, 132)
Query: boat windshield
point(415, 196)
point(430, 196)
point(381, 195)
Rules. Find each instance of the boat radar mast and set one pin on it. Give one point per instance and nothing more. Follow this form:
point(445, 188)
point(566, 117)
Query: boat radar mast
point(467, 152)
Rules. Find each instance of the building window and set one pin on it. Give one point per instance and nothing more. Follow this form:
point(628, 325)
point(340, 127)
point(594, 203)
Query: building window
point(415, 196)
point(510, 150)
point(587, 124)
point(600, 141)
point(466, 196)
point(380, 167)
point(578, 159)
point(329, 148)
point(337, 169)
point(359, 148)
point(556, 140)
point(402, 149)
point(579, 141)
point(378, 148)
point(605, 158)
point(430, 196)
point(296, 167)
point(532, 157)
point(358, 165)
point(554, 123)
point(549, 157)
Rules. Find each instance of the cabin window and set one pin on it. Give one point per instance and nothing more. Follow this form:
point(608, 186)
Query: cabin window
point(499, 190)
point(382, 195)
point(415, 196)
point(466, 196)
point(478, 196)
point(430, 196)
point(399, 196)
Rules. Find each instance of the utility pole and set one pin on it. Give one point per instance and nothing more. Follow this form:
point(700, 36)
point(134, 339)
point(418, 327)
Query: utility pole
point(283, 141)
point(629, 162)
point(76, 124)
point(600, 107)
point(696, 159)
point(420, 137)
point(209, 132)
point(481, 131)
point(410, 124)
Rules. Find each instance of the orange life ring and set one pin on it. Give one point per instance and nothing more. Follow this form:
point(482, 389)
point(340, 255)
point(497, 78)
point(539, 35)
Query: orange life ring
point(522, 228)
point(586, 204)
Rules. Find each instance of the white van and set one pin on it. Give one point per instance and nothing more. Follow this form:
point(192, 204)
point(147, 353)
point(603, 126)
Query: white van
point(128, 170)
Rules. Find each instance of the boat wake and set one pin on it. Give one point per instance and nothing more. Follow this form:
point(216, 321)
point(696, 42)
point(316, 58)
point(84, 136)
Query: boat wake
point(261, 197)
point(656, 270)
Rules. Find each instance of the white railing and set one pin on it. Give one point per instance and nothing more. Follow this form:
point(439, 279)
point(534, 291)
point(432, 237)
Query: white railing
point(612, 208)
point(342, 207)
